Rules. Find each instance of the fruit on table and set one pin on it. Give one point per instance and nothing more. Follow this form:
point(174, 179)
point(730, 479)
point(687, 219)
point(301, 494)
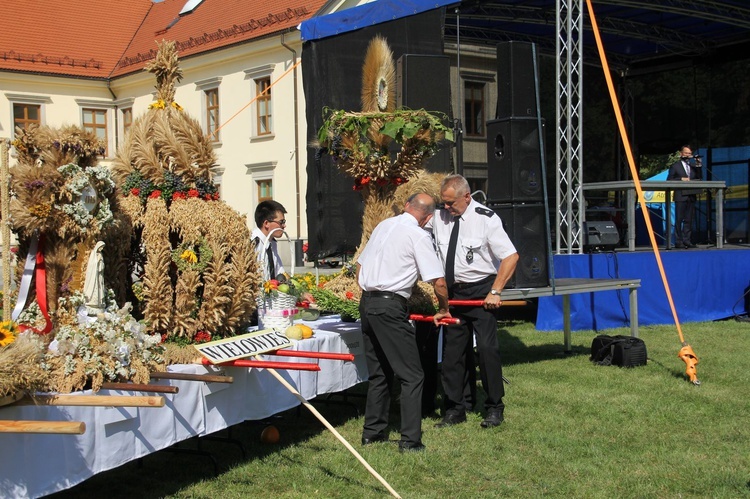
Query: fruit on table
point(283, 288)
point(307, 331)
point(294, 332)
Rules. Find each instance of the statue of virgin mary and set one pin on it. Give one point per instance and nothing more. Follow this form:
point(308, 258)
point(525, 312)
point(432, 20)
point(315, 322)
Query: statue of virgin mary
point(93, 287)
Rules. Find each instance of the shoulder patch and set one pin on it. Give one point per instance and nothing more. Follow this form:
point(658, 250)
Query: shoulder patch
point(484, 211)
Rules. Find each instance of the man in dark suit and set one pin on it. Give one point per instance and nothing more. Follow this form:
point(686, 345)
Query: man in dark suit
point(684, 200)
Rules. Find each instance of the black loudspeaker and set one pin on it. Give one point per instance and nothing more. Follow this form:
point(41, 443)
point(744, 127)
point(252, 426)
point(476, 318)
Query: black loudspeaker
point(526, 227)
point(600, 236)
point(514, 162)
point(517, 86)
point(423, 82)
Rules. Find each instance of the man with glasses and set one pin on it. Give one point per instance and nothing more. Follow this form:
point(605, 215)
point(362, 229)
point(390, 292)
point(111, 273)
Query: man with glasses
point(479, 260)
point(270, 222)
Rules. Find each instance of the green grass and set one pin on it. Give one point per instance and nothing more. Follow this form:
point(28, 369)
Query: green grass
point(572, 429)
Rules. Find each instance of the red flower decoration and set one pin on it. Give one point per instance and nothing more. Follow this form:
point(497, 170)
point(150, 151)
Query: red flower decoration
point(202, 337)
point(398, 180)
point(193, 193)
point(382, 181)
point(163, 337)
point(215, 196)
point(179, 195)
point(155, 194)
point(349, 295)
point(135, 191)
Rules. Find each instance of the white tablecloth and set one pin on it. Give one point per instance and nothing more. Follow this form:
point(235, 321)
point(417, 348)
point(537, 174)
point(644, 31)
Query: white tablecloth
point(35, 465)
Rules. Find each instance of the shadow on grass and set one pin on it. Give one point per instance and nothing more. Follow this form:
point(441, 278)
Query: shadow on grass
point(515, 351)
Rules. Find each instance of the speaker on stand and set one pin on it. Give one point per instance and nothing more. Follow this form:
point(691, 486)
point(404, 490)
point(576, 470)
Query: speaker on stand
point(515, 165)
point(526, 226)
point(514, 161)
point(423, 82)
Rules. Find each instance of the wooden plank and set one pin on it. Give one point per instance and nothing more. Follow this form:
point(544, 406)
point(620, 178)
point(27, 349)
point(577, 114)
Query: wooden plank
point(206, 378)
point(58, 427)
point(94, 400)
point(141, 387)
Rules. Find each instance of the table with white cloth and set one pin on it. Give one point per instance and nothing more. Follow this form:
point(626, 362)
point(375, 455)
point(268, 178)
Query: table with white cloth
point(34, 465)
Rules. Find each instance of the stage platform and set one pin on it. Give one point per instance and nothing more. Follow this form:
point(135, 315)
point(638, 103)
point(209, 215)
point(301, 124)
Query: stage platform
point(706, 284)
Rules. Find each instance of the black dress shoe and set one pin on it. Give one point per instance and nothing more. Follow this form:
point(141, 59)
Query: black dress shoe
point(451, 418)
point(493, 419)
point(410, 447)
point(378, 437)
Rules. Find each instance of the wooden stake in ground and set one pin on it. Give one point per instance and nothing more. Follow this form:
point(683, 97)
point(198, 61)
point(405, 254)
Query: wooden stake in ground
point(333, 430)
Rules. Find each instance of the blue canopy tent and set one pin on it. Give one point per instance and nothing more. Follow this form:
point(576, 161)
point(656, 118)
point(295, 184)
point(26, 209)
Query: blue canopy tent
point(365, 15)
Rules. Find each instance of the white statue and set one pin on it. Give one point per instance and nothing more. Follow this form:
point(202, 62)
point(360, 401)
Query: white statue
point(93, 287)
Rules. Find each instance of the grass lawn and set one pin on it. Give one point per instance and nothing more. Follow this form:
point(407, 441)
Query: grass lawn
point(572, 429)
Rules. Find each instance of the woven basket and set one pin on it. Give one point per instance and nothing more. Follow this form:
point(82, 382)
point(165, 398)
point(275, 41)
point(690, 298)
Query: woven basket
point(274, 322)
point(281, 301)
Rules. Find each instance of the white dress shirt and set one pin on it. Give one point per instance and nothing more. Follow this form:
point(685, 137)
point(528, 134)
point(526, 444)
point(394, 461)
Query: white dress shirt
point(480, 234)
point(397, 253)
point(260, 252)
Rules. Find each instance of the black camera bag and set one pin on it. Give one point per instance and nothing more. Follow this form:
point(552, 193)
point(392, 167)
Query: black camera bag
point(620, 350)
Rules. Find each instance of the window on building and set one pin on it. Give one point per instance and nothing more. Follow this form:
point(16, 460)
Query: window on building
point(212, 114)
point(474, 108)
point(127, 120)
point(265, 190)
point(26, 114)
point(95, 120)
point(263, 106)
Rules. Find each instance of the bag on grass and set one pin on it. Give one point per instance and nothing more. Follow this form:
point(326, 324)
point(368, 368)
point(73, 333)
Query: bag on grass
point(620, 350)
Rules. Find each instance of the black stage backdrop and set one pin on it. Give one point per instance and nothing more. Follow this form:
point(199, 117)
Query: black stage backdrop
point(332, 77)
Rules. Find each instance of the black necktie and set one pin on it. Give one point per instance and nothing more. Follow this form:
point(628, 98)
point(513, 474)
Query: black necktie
point(271, 268)
point(450, 258)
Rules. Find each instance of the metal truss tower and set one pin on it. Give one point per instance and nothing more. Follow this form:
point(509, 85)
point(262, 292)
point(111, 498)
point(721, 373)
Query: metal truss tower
point(569, 175)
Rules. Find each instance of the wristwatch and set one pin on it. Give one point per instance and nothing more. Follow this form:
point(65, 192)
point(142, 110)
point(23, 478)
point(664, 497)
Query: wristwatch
point(494, 292)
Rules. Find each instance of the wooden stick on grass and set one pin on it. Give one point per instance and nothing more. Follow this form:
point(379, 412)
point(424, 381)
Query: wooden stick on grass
point(333, 430)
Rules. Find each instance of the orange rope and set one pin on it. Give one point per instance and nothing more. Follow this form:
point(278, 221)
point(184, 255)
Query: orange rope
point(631, 163)
point(255, 98)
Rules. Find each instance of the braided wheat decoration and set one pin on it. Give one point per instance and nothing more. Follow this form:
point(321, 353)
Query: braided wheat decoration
point(199, 273)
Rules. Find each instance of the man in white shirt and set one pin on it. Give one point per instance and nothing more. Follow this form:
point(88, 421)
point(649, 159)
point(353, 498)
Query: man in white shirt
point(398, 252)
point(270, 222)
point(479, 260)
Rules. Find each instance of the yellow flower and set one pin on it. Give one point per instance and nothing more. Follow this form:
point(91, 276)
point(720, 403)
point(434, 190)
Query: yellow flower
point(157, 105)
point(176, 106)
point(7, 333)
point(189, 256)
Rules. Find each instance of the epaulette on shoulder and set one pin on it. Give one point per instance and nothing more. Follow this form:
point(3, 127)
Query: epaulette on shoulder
point(484, 211)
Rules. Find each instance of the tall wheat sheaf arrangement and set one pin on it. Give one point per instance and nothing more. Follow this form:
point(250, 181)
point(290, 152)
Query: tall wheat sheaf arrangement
point(197, 267)
point(361, 142)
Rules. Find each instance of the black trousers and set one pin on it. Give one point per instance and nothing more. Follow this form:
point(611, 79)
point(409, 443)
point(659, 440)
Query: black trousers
point(683, 220)
point(391, 351)
point(457, 343)
point(427, 344)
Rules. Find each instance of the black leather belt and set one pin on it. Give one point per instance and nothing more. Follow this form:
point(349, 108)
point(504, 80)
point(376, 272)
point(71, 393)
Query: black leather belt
point(384, 294)
point(464, 285)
